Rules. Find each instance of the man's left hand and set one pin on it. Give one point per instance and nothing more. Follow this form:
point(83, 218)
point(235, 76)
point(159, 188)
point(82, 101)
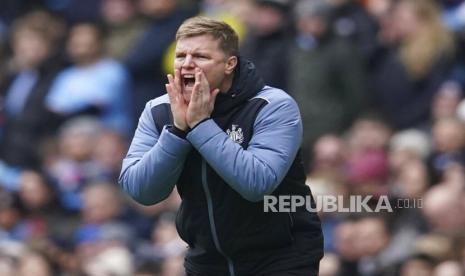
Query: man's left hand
point(202, 100)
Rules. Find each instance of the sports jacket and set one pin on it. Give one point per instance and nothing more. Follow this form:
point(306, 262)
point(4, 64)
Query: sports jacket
point(224, 167)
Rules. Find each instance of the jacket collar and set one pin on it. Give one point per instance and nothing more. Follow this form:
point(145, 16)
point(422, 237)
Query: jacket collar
point(246, 84)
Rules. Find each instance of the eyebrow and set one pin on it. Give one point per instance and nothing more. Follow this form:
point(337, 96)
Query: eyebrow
point(195, 52)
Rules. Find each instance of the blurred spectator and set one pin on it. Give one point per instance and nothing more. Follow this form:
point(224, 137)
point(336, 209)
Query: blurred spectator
point(330, 159)
point(326, 76)
point(328, 177)
point(166, 246)
point(438, 246)
point(347, 247)
point(108, 152)
point(408, 145)
point(236, 14)
point(460, 109)
point(11, 216)
point(377, 8)
point(444, 209)
point(101, 232)
point(373, 237)
point(417, 265)
point(449, 146)
point(44, 216)
point(368, 161)
point(33, 67)
point(10, 10)
point(449, 268)
point(454, 176)
point(407, 77)
point(35, 193)
point(381, 12)
point(454, 14)
point(75, 10)
point(351, 21)
point(173, 267)
point(446, 101)
point(10, 253)
point(34, 263)
point(94, 85)
point(145, 60)
point(409, 184)
point(329, 265)
point(408, 150)
point(124, 28)
point(412, 180)
point(115, 260)
point(267, 43)
point(101, 203)
point(74, 167)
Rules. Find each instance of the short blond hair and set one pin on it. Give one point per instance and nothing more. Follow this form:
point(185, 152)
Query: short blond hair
point(199, 25)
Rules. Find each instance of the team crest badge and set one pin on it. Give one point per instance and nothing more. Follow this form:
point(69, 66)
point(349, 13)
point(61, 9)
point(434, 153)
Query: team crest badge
point(236, 134)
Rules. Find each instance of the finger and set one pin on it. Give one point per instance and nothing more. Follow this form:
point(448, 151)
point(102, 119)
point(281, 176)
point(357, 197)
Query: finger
point(171, 95)
point(171, 84)
point(198, 84)
point(180, 99)
point(177, 80)
point(168, 89)
point(196, 92)
point(198, 76)
point(203, 78)
point(170, 80)
point(204, 81)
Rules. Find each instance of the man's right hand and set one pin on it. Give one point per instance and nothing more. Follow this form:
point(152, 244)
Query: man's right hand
point(177, 102)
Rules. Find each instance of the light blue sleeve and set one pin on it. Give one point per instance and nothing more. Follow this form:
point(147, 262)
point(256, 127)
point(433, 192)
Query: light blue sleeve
point(259, 169)
point(56, 99)
point(153, 163)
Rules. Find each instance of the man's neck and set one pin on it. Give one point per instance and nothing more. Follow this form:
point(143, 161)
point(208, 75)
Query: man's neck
point(227, 84)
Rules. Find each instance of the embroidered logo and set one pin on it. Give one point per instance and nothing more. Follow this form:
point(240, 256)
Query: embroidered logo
point(236, 134)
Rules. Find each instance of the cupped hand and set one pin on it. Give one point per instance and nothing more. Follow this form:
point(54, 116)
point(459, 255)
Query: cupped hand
point(202, 100)
point(177, 102)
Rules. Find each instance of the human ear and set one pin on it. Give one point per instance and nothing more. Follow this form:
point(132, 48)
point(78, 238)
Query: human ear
point(231, 63)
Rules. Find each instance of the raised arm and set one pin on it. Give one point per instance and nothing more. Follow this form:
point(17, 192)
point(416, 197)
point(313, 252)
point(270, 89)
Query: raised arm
point(153, 163)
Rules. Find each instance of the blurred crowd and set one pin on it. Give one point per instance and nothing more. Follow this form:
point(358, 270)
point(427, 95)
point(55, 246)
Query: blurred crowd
point(380, 85)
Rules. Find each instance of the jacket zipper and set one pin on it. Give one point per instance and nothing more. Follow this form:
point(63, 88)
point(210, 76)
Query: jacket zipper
point(212, 219)
point(291, 220)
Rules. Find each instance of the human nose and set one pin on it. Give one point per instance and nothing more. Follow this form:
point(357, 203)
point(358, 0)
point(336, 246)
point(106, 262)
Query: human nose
point(188, 62)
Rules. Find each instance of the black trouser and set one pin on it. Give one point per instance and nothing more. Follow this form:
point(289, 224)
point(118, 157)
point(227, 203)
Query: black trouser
point(296, 272)
point(304, 271)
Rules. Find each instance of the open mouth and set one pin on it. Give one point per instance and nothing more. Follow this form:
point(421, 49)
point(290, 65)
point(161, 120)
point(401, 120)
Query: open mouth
point(188, 81)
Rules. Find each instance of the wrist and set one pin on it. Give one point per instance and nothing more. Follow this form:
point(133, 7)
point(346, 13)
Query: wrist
point(194, 125)
point(177, 131)
point(182, 127)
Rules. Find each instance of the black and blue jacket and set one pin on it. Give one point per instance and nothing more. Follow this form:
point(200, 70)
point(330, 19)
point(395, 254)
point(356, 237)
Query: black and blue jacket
point(222, 170)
